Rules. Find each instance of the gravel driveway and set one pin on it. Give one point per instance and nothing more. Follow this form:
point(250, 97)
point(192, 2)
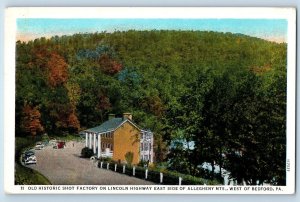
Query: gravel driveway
point(65, 167)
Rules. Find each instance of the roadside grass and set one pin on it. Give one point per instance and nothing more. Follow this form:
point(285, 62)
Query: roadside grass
point(24, 175)
point(27, 176)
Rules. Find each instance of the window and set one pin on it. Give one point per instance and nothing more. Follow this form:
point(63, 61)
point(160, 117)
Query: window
point(146, 146)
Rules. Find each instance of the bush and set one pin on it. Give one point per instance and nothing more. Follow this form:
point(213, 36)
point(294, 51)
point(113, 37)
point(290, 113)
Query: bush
point(128, 170)
point(140, 172)
point(106, 159)
point(170, 179)
point(112, 166)
point(129, 157)
point(119, 168)
point(143, 163)
point(154, 176)
point(87, 152)
point(190, 180)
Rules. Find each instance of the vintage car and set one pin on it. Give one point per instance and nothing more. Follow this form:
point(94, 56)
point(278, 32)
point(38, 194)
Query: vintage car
point(59, 145)
point(30, 160)
point(39, 146)
point(52, 142)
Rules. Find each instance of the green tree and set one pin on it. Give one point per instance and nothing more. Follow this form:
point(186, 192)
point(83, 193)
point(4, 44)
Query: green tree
point(129, 157)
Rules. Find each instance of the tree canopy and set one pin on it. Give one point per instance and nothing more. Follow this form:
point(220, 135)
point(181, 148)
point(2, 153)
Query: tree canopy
point(207, 96)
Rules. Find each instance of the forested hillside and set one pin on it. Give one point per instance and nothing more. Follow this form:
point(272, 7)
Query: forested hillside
point(207, 96)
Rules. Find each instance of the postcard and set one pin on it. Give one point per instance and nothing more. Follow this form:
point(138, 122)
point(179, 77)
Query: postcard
point(138, 100)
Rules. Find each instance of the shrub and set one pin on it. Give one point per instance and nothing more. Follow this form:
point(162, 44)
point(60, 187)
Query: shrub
point(106, 159)
point(112, 166)
point(190, 180)
point(119, 168)
point(170, 179)
point(128, 170)
point(87, 152)
point(143, 163)
point(140, 172)
point(129, 157)
point(154, 176)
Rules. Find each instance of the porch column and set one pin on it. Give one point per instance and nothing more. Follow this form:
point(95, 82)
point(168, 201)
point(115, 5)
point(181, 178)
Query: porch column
point(94, 146)
point(90, 137)
point(86, 139)
point(99, 145)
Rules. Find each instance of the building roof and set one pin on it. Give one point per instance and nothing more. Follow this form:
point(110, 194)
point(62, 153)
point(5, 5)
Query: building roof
point(110, 125)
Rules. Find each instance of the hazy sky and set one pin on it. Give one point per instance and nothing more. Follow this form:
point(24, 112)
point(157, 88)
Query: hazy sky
point(269, 29)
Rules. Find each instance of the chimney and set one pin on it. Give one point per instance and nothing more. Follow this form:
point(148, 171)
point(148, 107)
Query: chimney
point(127, 116)
point(111, 116)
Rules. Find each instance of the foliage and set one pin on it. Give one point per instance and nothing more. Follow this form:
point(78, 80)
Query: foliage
point(208, 97)
point(129, 157)
point(169, 177)
point(57, 67)
point(143, 163)
point(30, 121)
point(27, 176)
point(87, 152)
point(73, 122)
point(105, 159)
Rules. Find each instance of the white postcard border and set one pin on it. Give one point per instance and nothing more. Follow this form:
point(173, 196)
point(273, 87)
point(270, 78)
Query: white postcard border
point(12, 14)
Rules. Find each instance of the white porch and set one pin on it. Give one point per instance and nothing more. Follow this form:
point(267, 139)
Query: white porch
point(93, 141)
point(146, 146)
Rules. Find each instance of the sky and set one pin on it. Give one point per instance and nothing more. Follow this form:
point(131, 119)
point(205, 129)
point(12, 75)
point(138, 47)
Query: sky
point(31, 28)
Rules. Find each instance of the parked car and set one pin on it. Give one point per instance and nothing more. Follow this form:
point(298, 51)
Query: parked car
point(59, 145)
point(30, 160)
point(27, 154)
point(39, 146)
point(53, 142)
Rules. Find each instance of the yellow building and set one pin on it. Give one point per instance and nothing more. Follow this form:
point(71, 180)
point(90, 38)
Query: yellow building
point(118, 136)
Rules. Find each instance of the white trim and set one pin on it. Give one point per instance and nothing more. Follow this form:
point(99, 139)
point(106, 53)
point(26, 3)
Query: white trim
point(125, 122)
point(90, 139)
point(99, 145)
point(94, 146)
